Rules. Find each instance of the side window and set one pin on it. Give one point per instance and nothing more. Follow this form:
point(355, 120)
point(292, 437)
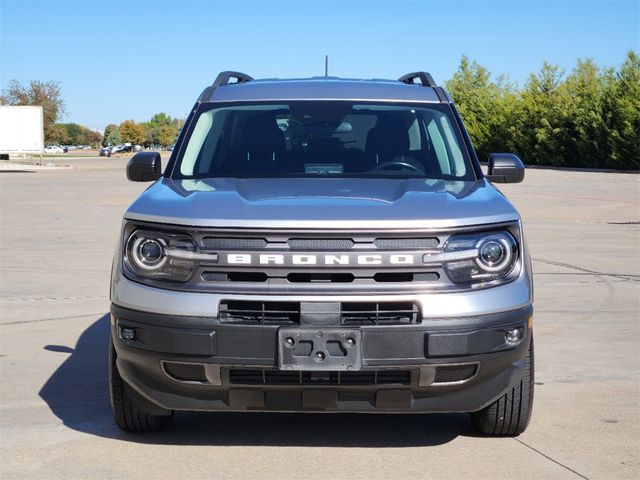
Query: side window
point(439, 147)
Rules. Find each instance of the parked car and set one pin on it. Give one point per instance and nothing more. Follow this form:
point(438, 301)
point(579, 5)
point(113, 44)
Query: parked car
point(57, 149)
point(367, 265)
point(105, 151)
point(121, 149)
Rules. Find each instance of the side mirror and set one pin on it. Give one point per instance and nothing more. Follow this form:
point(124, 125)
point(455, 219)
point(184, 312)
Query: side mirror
point(505, 168)
point(144, 167)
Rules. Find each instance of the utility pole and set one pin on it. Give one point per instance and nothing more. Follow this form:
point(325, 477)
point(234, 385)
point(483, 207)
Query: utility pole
point(326, 65)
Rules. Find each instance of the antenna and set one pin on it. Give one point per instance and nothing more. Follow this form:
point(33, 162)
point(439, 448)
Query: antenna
point(326, 65)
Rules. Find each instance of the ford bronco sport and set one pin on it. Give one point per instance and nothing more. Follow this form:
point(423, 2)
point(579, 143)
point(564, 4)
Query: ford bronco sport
point(322, 245)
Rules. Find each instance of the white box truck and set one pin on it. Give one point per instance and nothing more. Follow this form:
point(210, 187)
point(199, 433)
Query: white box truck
point(21, 130)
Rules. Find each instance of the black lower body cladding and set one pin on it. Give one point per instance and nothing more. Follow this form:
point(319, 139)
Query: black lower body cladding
point(439, 365)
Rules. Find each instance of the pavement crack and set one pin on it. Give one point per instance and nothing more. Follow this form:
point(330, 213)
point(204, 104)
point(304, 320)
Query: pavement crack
point(49, 299)
point(19, 322)
point(621, 276)
point(551, 459)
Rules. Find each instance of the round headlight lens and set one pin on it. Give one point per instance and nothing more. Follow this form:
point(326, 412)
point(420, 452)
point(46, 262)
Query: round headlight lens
point(151, 251)
point(491, 253)
point(148, 253)
point(494, 253)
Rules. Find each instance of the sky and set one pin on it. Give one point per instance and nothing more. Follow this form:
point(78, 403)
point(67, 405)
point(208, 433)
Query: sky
point(120, 60)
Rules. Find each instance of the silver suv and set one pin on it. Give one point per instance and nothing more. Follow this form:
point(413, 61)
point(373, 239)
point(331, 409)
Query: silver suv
point(322, 245)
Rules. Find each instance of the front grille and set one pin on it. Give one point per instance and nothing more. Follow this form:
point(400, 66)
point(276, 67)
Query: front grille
point(186, 372)
point(277, 377)
point(288, 313)
point(374, 313)
point(455, 373)
point(405, 243)
point(317, 262)
point(320, 244)
point(215, 243)
point(256, 313)
point(336, 244)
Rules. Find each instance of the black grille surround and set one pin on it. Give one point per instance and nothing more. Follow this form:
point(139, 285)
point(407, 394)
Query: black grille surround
point(272, 278)
point(242, 312)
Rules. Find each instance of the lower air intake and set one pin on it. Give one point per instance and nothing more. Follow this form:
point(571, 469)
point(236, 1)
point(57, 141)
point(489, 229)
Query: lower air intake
point(380, 313)
point(455, 373)
point(260, 313)
point(186, 372)
point(277, 377)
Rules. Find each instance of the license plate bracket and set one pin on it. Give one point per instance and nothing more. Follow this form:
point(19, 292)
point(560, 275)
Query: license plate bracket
point(319, 349)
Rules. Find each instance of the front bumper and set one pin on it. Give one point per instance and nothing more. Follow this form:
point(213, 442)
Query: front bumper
point(239, 364)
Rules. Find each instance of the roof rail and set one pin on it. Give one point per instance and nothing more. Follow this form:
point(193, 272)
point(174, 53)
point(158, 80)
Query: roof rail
point(426, 80)
point(224, 77)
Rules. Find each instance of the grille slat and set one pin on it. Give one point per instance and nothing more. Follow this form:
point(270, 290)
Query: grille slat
point(258, 277)
point(397, 277)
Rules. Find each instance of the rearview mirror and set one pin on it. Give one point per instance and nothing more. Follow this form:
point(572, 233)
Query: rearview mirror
point(505, 168)
point(144, 167)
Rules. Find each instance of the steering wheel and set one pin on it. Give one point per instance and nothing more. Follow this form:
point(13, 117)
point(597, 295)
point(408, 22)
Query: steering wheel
point(398, 163)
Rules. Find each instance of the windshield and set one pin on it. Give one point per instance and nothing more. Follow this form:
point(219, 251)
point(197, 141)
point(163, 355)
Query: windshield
point(324, 138)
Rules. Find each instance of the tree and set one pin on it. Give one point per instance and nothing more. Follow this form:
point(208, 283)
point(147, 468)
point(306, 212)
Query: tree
point(159, 120)
point(112, 135)
point(621, 112)
point(484, 105)
point(545, 111)
point(92, 137)
point(161, 130)
point(586, 143)
point(58, 134)
point(47, 94)
point(132, 132)
point(75, 133)
point(167, 135)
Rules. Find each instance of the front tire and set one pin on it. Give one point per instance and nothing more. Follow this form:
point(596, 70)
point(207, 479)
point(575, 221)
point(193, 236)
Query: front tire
point(510, 414)
point(131, 412)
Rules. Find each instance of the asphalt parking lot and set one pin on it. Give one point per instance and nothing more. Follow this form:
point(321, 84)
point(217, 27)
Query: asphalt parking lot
point(58, 230)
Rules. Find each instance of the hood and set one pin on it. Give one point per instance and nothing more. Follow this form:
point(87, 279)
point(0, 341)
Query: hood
point(322, 203)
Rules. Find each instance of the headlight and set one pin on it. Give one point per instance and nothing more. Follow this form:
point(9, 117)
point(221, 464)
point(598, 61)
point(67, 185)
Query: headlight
point(480, 257)
point(160, 255)
point(148, 253)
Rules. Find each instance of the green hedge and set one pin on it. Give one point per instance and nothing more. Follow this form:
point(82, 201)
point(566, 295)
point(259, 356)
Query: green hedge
point(589, 118)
